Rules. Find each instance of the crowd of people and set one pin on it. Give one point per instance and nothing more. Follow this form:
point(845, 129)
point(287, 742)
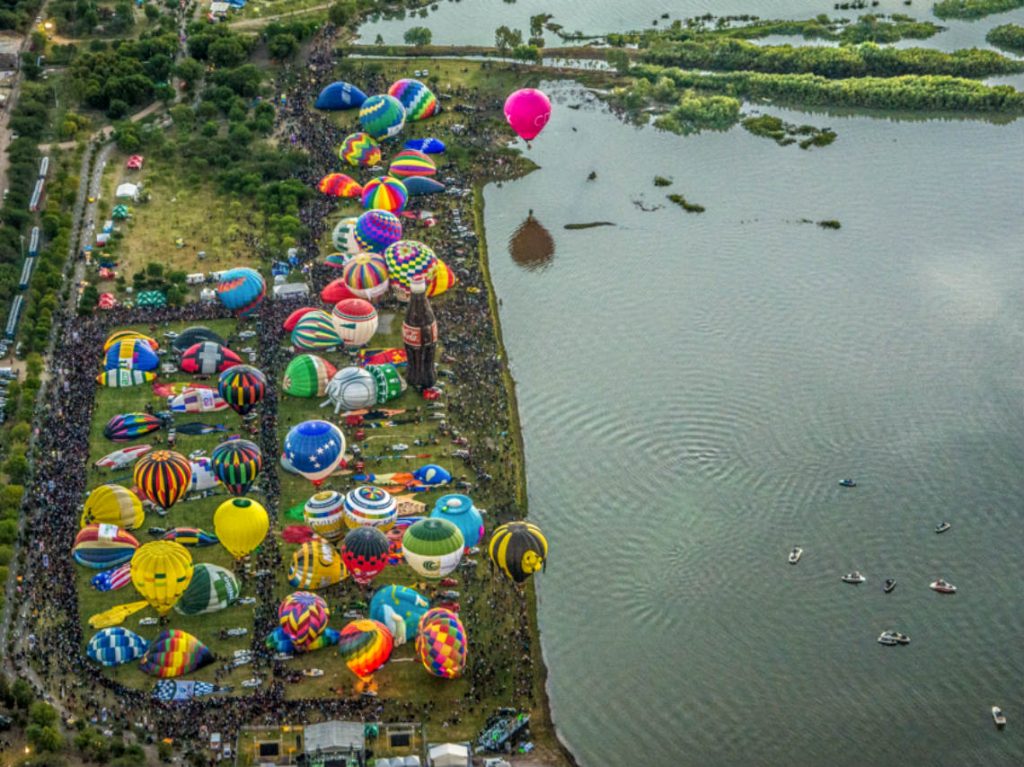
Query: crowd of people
point(47, 635)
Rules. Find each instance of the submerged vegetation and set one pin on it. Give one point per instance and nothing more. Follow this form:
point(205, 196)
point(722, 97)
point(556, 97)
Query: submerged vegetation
point(830, 223)
point(1009, 37)
point(662, 181)
point(682, 202)
point(784, 134)
point(973, 9)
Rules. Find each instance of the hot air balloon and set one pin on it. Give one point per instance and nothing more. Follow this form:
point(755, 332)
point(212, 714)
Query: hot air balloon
point(241, 524)
point(114, 646)
point(409, 163)
point(376, 229)
point(418, 100)
point(315, 332)
point(365, 553)
point(355, 320)
point(102, 546)
point(278, 641)
point(314, 449)
point(527, 111)
point(433, 547)
point(303, 616)
point(190, 536)
point(131, 354)
point(426, 145)
point(241, 290)
point(389, 383)
point(316, 564)
point(409, 260)
point(237, 463)
point(293, 319)
point(128, 426)
point(366, 646)
point(385, 193)
point(432, 475)
point(460, 511)
point(382, 116)
point(442, 645)
point(113, 505)
point(161, 571)
point(113, 579)
point(242, 387)
point(444, 279)
point(194, 335)
point(173, 653)
point(360, 150)
point(519, 549)
point(339, 185)
point(207, 358)
point(121, 379)
point(307, 375)
point(336, 260)
point(420, 185)
point(366, 275)
point(352, 388)
point(125, 335)
point(335, 291)
point(340, 95)
point(196, 399)
point(343, 236)
point(203, 477)
point(325, 514)
point(212, 588)
point(163, 476)
point(400, 609)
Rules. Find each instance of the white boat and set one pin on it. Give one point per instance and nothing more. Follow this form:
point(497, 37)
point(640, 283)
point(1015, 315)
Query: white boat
point(795, 554)
point(893, 638)
point(942, 586)
point(855, 577)
point(942, 527)
point(998, 716)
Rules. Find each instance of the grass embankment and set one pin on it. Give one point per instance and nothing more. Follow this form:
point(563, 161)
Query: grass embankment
point(1009, 37)
point(973, 9)
point(784, 134)
point(263, 9)
point(185, 513)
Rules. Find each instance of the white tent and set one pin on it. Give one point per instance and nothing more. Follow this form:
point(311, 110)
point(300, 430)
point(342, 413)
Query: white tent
point(291, 290)
point(449, 755)
point(127, 191)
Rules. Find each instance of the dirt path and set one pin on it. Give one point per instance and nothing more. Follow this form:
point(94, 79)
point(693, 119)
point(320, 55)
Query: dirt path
point(256, 23)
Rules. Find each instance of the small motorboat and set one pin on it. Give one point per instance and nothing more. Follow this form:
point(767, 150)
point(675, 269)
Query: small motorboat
point(942, 527)
point(847, 483)
point(890, 584)
point(998, 716)
point(893, 638)
point(942, 586)
point(855, 577)
point(795, 554)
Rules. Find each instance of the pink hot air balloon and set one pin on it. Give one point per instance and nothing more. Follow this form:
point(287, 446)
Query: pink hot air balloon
point(527, 111)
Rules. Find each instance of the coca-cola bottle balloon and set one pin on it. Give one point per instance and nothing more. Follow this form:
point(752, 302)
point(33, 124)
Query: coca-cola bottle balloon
point(419, 332)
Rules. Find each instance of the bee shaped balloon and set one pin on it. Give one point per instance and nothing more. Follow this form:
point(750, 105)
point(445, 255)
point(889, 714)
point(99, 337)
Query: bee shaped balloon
point(519, 549)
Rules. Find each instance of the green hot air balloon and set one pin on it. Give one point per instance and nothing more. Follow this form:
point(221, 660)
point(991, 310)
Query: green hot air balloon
point(212, 588)
point(307, 375)
point(433, 547)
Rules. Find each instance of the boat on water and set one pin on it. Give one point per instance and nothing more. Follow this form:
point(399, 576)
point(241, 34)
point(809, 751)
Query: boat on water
point(893, 638)
point(998, 716)
point(855, 577)
point(890, 584)
point(942, 527)
point(847, 483)
point(942, 586)
point(795, 554)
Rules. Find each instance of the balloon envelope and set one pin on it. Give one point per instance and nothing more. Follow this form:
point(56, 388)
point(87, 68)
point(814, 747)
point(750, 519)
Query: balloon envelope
point(103, 546)
point(339, 185)
point(315, 332)
point(433, 547)
point(426, 145)
point(355, 320)
point(163, 476)
point(325, 514)
point(420, 185)
point(173, 653)
point(460, 511)
point(442, 646)
point(237, 463)
point(241, 290)
point(418, 100)
point(207, 358)
point(366, 275)
point(242, 387)
point(114, 646)
point(131, 354)
point(307, 375)
point(339, 95)
point(212, 588)
point(382, 116)
point(519, 549)
point(360, 150)
point(314, 449)
point(125, 427)
point(365, 553)
point(375, 230)
point(527, 111)
point(366, 646)
point(161, 571)
point(241, 524)
point(385, 193)
point(316, 564)
point(400, 609)
point(409, 260)
point(343, 237)
point(303, 616)
point(113, 505)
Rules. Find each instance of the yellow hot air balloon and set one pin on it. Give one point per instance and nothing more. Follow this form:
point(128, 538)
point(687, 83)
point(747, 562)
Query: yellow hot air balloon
point(161, 571)
point(241, 525)
point(128, 335)
point(116, 615)
point(113, 505)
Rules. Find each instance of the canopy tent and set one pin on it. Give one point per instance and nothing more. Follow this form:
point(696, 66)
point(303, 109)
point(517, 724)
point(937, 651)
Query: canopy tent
point(127, 191)
point(135, 162)
point(151, 299)
point(450, 755)
point(119, 213)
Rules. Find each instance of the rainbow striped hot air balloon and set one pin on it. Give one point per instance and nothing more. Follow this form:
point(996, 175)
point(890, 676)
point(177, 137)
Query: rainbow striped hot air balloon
point(418, 100)
point(377, 229)
point(173, 653)
point(409, 162)
point(241, 290)
point(409, 260)
point(366, 275)
point(336, 260)
point(315, 332)
point(385, 193)
point(359, 150)
point(382, 116)
point(365, 645)
point(339, 185)
point(369, 506)
point(237, 463)
point(125, 427)
point(163, 476)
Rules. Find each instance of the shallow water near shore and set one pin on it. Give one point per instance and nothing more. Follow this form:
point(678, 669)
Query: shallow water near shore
point(692, 386)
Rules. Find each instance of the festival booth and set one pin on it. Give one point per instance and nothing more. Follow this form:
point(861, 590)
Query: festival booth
point(335, 741)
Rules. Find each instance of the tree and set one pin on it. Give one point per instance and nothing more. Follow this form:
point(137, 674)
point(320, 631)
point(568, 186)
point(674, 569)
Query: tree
point(152, 12)
point(128, 137)
point(526, 53)
point(89, 300)
point(42, 713)
point(190, 70)
point(418, 36)
point(282, 46)
point(117, 109)
point(47, 739)
point(342, 12)
point(183, 116)
point(506, 39)
point(618, 60)
point(228, 51)
point(16, 467)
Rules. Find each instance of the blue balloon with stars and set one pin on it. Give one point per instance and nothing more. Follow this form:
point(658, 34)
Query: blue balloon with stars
point(314, 449)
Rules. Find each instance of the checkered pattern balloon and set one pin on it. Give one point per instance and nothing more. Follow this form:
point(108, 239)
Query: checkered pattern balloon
point(376, 230)
point(408, 260)
point(442, 646)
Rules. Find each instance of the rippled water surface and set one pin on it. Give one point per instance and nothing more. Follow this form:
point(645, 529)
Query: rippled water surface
point(693, 386)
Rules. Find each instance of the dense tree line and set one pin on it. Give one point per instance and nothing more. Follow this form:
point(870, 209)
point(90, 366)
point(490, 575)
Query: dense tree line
point(126, 74)
point(973, 9)
point(78, 18)
point(910, 92)
point(1009, 37)
point(18, 14)
point(848, 61)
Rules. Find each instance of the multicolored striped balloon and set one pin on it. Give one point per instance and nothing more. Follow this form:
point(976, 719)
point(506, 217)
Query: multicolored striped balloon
point(190, 536)
point(103, 546)
point(418, 100)
point(382, 116)
point(315, 332)
point(174, 653)
point(408, 260)
point(303, 616)
point(409, 162)
point(343, 236)
point(237, 463)
point(339, 185)
point(385, 193)
point(444, 279)
point(242, 387)
point(336, 260)
point(376, 230)
point(369, 506)
point(366, 275)
point(359, 150)
point(366, 646)
point(163, 476)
